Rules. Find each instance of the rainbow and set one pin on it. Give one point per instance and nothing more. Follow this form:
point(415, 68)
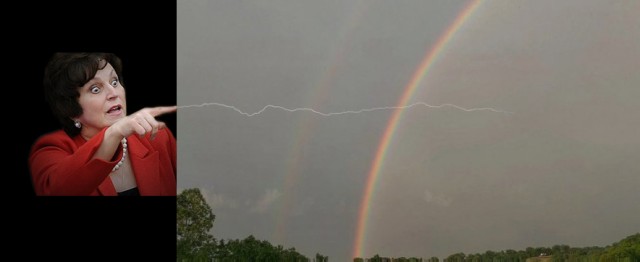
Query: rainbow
point(416, 79)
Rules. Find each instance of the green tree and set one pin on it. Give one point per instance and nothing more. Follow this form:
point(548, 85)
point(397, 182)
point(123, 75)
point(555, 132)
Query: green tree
point(194, 221)
point(252, 249)
point(321, 258)
point(627, 249)
point(375, 258)
point(457, 257)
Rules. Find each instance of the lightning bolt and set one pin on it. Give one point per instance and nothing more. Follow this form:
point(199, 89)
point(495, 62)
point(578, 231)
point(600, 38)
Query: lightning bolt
point(346, 112)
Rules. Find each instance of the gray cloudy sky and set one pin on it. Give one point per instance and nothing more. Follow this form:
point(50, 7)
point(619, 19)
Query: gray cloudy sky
point(564, 169)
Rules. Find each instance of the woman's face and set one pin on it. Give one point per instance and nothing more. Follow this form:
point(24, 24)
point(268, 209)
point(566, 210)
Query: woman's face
point(103, 102)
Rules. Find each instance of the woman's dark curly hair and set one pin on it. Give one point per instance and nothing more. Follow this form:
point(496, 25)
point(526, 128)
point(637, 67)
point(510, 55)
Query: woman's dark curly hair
point(65, 74)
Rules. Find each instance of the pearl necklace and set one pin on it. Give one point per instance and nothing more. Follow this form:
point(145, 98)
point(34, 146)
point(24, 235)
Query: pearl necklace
point(124, 155)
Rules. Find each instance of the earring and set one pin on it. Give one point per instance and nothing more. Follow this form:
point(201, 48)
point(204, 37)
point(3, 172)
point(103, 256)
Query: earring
point(77, 124)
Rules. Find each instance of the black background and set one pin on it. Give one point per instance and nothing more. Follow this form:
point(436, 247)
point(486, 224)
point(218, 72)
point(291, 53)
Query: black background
point(143, 35)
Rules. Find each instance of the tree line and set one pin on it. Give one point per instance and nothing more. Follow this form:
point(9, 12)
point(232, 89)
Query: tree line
point(625, 250)
point(194, 243)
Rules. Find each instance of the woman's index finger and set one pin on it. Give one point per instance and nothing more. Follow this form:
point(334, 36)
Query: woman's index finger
point(161, 110)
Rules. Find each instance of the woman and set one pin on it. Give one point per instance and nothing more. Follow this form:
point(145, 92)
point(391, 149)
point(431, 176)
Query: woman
point(101, 150)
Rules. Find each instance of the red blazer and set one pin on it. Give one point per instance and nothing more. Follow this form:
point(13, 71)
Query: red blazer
point(62, 165)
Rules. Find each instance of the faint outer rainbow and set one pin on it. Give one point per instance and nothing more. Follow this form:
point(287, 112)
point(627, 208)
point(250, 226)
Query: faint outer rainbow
point(417, 77)
point(306, 127)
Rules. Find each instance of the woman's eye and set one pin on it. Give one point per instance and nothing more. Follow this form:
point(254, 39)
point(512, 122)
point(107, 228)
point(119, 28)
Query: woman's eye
point(114, 83)
point(95, 89)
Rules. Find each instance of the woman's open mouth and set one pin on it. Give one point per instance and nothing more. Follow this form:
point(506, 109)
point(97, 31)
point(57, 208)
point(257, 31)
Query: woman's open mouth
point(115, 110)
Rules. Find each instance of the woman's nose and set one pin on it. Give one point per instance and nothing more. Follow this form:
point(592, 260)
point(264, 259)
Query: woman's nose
point(111, 92)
